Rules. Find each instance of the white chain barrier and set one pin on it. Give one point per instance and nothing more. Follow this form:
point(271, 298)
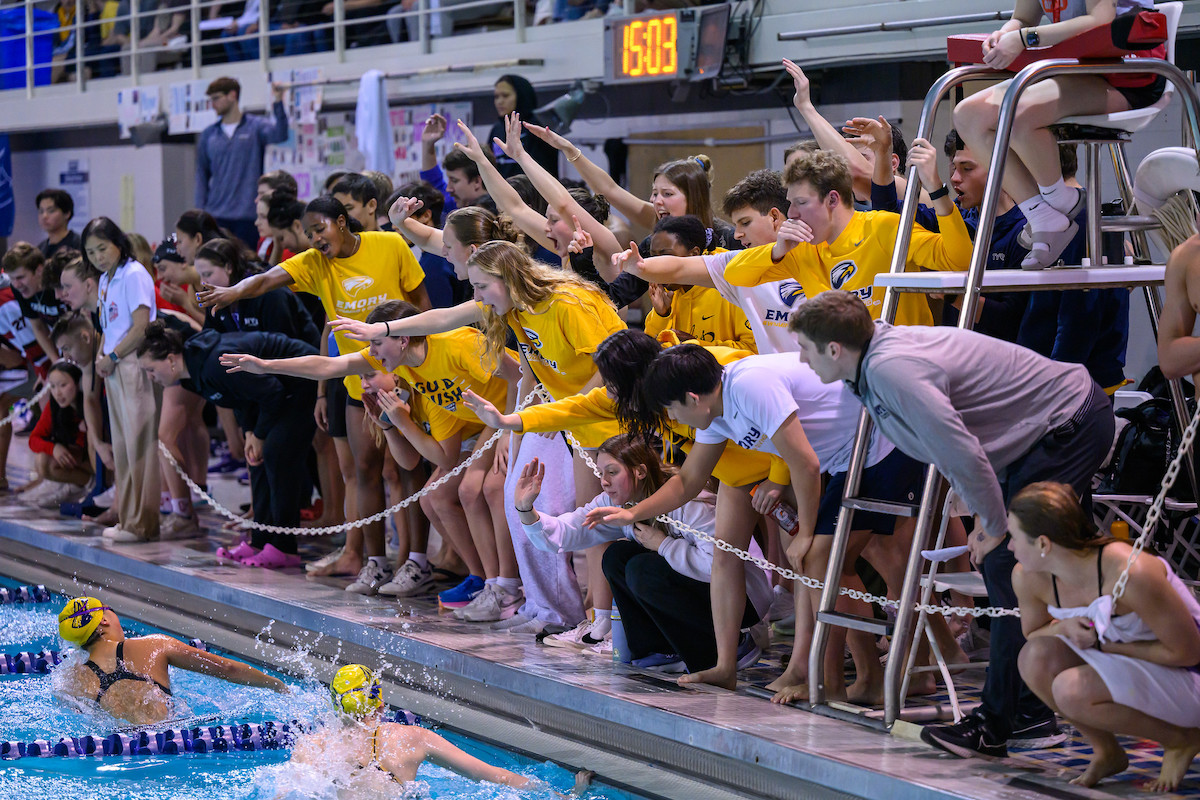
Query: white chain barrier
point(345, 526)
point(1152, 518)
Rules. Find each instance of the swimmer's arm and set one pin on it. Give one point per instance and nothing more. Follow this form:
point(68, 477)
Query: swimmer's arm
point(678, 489)
point(189, 658)
point(317, 368)
point(1035, 619)
point(1178, 349)
point(218, 297)
point(444, 754)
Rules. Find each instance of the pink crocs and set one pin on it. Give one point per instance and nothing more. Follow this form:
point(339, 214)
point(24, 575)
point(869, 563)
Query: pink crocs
point(272, 557)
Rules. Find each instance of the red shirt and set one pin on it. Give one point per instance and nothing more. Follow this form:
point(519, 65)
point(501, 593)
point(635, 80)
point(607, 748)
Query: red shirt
point(39, 441)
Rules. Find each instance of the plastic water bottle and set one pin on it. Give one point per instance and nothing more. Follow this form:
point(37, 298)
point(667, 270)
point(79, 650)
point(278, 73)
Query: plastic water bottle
point(785, 515)
point(619, 643)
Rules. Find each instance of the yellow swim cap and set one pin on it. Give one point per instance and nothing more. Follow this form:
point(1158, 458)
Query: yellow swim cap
point(355, 690)
point(80, 618)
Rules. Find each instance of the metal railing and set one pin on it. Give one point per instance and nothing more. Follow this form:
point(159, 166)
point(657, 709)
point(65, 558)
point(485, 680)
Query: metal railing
point(897, 25)
point(42, 50)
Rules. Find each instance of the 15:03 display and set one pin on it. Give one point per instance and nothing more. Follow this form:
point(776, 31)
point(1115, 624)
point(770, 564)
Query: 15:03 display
point(649, 47)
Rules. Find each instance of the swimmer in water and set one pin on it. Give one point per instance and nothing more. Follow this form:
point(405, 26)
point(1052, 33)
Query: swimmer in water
point(128, 677)
point(394, 749)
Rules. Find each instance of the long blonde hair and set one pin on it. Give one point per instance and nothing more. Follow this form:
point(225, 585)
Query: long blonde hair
point(530, 283)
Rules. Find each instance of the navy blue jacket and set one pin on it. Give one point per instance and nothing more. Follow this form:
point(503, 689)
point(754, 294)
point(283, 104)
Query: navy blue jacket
point(228, 169)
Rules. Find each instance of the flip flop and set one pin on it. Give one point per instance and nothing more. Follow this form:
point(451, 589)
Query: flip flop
point(272, 557)
point(1055, 241)
point(239, 553)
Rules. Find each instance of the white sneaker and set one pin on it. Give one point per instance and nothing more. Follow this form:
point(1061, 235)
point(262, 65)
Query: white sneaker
point(324, 561)
point(58, 493)
point(34, 496)
point(369, 579)
point(122, 536)
point(177, 526)
point(577, 638)
point(783, 604)
point(110, 532)
point(602, 648)
point(491, 605)
point(519, 624)
point(410, 579)
point(106, 498)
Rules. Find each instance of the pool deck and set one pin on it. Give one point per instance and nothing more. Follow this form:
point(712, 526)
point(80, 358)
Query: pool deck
point(733, 738)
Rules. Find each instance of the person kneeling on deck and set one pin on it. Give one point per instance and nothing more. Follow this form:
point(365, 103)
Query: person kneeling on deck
point(392, 748)
point(993, 417)
point(659, 574)
point(128, 678)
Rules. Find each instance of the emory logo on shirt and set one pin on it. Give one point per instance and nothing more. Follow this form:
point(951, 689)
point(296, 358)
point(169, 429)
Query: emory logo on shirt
point(841, 273)
point(534, 337)
point(881, 412)
point(751, 439)
point(354, 285)
point(790, 293)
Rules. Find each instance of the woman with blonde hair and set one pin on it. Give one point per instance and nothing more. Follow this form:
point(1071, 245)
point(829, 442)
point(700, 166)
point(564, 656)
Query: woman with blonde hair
point(558, 320)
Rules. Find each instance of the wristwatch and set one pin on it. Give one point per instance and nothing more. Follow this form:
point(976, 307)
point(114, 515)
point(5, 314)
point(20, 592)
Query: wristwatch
point(115, 358)
point(1032, 38)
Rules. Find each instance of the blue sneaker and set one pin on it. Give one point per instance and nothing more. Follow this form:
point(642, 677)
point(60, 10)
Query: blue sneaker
point(461, 595)
point(661, 662)
point(748, 651)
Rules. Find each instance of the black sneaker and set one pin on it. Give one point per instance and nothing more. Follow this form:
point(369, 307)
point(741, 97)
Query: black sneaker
point(1031, 733)
point(970, 738)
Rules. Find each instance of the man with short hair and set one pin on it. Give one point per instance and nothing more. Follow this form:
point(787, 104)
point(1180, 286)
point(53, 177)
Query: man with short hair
point(24, 265)
point(358, 194)
point(55, 208)
point(993, 417)
point(229, 157)
point(826, 244)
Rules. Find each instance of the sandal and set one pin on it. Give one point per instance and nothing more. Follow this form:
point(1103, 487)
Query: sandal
point(239, 553)
point(272, 557)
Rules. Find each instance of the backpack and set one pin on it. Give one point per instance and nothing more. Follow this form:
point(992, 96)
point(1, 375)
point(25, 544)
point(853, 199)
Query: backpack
point(1144, 450)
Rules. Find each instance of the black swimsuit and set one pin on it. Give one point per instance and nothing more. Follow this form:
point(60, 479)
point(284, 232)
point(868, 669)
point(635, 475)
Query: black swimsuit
point(107, 679)
point(1099, 577)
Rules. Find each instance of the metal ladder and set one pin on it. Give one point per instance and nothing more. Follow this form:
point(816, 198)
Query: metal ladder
point(971, 284)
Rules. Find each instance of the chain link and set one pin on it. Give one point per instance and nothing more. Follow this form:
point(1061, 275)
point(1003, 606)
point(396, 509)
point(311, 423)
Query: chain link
point(16, 412)
point(345, 526)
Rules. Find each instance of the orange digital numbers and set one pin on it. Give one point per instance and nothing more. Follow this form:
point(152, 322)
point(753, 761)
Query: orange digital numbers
point(649, 47)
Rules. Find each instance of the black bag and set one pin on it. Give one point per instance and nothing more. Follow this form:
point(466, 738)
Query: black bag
point(1144, 450)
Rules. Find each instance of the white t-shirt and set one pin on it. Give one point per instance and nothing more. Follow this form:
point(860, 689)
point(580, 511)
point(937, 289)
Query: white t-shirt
point(759, 393)
point(766, 306)
point(130, 288)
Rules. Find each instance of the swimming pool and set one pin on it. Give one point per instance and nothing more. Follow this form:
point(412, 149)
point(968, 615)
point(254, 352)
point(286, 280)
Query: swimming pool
point(28, 711)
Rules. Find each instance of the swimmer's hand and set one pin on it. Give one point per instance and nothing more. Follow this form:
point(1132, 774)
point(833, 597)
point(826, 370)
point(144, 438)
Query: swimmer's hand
point(609, 515)
point(529, 485)
point(490, 415)
point(240, 362)
point(583, 780)
point(360, 331)
point(629, 260)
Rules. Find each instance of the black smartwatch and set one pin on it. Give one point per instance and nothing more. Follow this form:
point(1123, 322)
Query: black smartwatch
point(939, 193)
point(1032, 38)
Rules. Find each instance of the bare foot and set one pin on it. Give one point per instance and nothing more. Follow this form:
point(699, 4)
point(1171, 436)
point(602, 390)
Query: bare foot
point(109, 517)
point(793, 693)
point(922, 685)
point(717, 676)
point(348, 564)
point(865, 693)
point(1175, 763)
point(1106, 763)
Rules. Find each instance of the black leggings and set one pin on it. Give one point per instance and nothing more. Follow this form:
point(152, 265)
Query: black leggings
point(280, 486)
point(663, 611)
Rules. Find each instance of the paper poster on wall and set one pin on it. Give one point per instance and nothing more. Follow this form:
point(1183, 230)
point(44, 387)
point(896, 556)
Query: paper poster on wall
point(408, 122)
point(135, 106)
point(303, 102)
point(188, 109)
point(72, 175)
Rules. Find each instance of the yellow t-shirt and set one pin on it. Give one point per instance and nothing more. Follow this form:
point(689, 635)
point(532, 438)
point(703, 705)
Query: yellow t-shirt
point(454, 361)
point(851, 262)
point(438, 422)
point(558, 339)
point(706, 315)
point(383, 269)
point(737, 467)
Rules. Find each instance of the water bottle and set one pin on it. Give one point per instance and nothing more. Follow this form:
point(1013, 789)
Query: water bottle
point(619, 643)
point(785, 515)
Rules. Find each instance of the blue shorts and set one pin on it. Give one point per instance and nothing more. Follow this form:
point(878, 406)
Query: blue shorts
point(897, 478)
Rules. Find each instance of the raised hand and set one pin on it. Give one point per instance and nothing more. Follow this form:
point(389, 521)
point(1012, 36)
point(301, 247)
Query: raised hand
point(580, 240)
point(660, 299)
point(529, 485)
point(549, 137)
point(875, 134)
point(434, 130)
point(802, 98)
point(403, 208)
point(471, 147)
point(621, 261)
point(511, 146)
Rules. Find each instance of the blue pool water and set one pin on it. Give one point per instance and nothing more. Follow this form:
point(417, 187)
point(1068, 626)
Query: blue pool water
point(28, 711)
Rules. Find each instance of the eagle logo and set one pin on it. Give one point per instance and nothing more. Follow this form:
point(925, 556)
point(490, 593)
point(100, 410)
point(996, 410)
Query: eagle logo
point(356, 284)
point(534, 338)
point(841, 273)
point(790, 293)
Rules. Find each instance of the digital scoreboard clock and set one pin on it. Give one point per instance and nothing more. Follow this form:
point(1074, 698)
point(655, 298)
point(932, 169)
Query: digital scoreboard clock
point(685, 44)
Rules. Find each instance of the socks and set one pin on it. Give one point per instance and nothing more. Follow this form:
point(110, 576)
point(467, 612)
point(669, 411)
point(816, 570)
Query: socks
point(1060, 196)
point(421, 559)
point(602, 624)
point(380, 562)
point(182, 506)
point(1042, 216)
point(510, 585)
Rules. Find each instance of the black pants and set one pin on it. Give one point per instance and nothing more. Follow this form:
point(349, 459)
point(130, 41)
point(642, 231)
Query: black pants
point(281, 485)
point(1071, 454)
point(663, 611)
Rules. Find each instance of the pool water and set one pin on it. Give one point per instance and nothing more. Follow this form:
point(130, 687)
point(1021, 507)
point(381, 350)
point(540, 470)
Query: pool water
point(29, 711)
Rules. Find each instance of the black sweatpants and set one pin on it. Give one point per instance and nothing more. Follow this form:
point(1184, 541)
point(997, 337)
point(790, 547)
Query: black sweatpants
point(663, 611)
point(281, 485)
